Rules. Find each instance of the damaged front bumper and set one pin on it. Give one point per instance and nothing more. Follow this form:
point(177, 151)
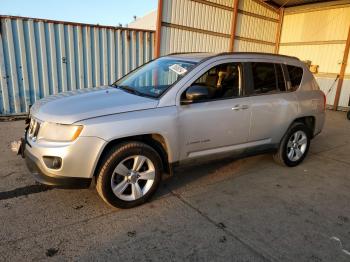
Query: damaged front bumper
point(35, 168)
point(75, 172)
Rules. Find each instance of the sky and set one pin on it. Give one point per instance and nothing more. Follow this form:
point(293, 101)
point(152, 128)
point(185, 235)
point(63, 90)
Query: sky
point(103, 12)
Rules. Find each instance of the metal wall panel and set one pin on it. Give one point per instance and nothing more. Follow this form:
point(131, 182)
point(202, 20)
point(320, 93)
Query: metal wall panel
point(327, 56)
point(345, 94)
point(195, 26)
point(258, 25)
point(177, 40)
point(198, 25)
point(321, 25)
point(256, 28)
point(319, 36)
point(40, 58)
point(347, 69)
point(256, 8)
point(229, 3)
point(329, 86)
point(244, 46)
point(197, 15)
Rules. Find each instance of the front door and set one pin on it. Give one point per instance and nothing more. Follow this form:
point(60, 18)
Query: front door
point(218, 123)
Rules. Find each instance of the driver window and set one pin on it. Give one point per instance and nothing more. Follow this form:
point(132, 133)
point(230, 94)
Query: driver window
point(222, 81)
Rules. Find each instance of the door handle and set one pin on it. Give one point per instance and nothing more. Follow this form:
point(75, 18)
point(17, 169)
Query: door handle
point(238, 107)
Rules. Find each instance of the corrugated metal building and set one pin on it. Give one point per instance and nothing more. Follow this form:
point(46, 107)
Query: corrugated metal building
point(315, 32)
point(43, 57)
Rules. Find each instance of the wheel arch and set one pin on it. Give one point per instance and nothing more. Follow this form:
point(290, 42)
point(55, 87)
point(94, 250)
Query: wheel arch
point(156, 141)
point(309, 121)
point(280, 155)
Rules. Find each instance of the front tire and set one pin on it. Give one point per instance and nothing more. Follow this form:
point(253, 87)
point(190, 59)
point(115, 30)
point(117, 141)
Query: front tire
point(129, 175)
point(294, 145)
point(348, 115)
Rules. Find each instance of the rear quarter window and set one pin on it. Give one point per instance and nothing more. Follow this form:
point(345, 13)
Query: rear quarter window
point(295, 76)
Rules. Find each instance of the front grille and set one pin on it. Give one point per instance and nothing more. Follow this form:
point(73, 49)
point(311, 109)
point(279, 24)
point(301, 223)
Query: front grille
point(33, 129)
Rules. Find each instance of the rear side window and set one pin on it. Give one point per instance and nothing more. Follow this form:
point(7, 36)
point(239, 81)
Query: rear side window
point(268, 78)
point(295, 76)
point(264, 78)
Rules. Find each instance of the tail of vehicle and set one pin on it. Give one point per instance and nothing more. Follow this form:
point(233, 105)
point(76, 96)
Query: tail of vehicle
point(315, 86)
point(324, 101)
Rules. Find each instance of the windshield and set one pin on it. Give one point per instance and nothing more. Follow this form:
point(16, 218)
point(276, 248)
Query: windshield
point(154, 78)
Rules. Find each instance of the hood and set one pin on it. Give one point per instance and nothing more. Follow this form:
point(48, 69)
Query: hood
point(73, 106)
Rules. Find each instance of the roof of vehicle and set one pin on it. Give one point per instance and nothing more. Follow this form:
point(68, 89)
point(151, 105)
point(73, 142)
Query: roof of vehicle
point(198, 56)
point(195, 56)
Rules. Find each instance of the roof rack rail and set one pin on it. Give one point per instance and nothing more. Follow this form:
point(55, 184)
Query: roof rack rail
point(235, 53)
point(184, 53)
point(256, 53)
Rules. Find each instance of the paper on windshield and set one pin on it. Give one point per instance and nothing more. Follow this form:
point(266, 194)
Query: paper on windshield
point(178, 69)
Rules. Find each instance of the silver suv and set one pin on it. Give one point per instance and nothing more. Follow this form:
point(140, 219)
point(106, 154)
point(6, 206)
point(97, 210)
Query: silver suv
point(171, 110)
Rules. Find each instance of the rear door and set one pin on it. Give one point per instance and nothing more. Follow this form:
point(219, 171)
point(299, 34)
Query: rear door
point(273, 105)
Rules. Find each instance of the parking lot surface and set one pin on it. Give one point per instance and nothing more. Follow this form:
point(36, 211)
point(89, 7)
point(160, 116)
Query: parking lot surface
point(227, 210)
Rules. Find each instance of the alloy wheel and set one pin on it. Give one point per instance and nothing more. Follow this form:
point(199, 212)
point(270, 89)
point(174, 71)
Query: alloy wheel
point(297, 145)
point(133, 177)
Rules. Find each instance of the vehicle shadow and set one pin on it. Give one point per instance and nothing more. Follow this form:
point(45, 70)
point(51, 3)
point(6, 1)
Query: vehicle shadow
point(199, 173)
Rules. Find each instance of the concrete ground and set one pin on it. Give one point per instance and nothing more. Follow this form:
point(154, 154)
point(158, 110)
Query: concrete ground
point(229, 210)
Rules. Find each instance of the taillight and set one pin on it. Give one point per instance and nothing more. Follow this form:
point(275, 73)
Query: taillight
point(324, 101)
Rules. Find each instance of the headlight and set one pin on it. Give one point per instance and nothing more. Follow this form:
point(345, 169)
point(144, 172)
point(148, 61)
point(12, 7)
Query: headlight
point(59, 132)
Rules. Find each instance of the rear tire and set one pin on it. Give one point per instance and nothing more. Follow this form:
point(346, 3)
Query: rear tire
point(129, 175)
point(348, 115)
point(294, 145)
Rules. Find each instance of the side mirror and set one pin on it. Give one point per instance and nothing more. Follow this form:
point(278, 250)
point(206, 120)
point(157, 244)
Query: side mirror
point(195, 93)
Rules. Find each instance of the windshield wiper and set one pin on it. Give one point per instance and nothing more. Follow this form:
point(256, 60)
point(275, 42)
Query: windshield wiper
point(131, 90)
